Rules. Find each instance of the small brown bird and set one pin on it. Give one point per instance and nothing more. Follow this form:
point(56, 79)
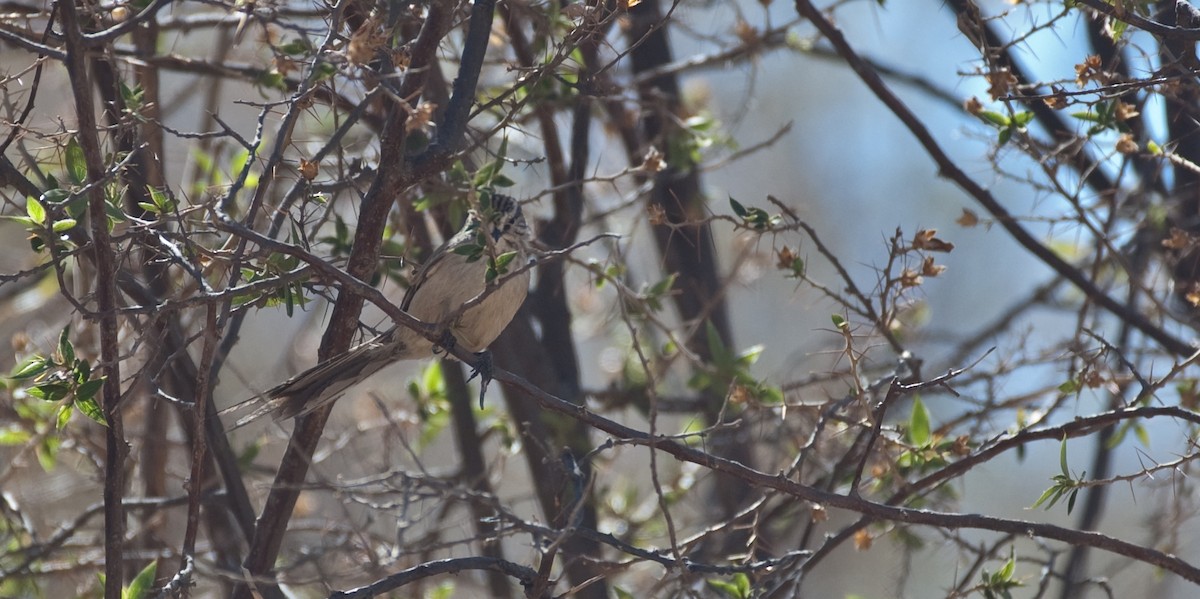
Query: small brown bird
point(454, 274)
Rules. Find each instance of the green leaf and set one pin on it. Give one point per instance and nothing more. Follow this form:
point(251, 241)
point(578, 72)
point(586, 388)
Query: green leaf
point(115, 215)
point(700, 122)
point(14, 435)
point(65, 349)
point(483, 177)
point(238, 161)
point(65, 224)
point(662, 287)
point(35, 210)
point(458, 173)
point(75, 205)
point(245, 459)
point(47, 452)
point(1010, 567)
point(76, 164)
point(134, 97)
point(797, 268)
point(503, 260)
point(296, 47)
point(839, 321)
point(750, 355)
point(771, 395)
point(486, 176)
point(726, 588)
point(716, 347)
point(49, 391)
point(994, 118)
point(1022, 118)
point(469, 250)
point(142, 583)
point(273, 79)
point(63, 417)
point(737, 588)
point(1054, 492)
point(743, 583)
point(444, 590)
point(322, 70)
point(433, 380)
point(88, 390)
point(1142, 435)
point(1069, 387)
point(502, 151)
point(918, 424)
point(57, 195)
point(30, 368)
point(1062, 458)
point(91, 408)
point(738, 208)
point(83, 371)
point(161, 200)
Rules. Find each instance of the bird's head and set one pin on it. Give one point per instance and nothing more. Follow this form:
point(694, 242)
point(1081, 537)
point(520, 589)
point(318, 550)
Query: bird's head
point(505, 219)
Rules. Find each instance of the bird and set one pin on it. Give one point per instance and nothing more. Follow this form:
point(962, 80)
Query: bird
point(486, 257)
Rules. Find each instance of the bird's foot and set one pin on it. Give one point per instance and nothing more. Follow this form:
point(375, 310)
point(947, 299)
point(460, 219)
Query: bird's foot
point(483, 370)
point(445, 344)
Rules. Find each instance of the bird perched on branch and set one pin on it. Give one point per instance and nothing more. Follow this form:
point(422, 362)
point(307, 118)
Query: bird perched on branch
point(482, 265)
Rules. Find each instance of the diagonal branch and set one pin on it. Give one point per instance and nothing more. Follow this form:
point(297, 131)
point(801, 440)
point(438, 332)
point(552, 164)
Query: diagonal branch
point(870, 509)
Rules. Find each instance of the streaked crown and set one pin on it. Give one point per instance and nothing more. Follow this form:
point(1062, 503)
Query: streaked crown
point(506, 219)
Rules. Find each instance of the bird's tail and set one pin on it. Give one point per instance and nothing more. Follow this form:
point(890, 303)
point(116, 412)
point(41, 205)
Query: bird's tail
point(326, 381)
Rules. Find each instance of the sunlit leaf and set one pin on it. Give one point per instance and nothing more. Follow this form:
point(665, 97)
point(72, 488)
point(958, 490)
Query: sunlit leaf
point(918, 424)
point(35, 210)
point(76, 165)
point(142, 583)
point(30, 368)
point(1062, 457)
point(14, 435)
point(65, 349)
point(91, 408)
point(995, 118)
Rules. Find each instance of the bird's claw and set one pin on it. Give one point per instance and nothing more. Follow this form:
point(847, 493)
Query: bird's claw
point(483, 370)
point(445, 344)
